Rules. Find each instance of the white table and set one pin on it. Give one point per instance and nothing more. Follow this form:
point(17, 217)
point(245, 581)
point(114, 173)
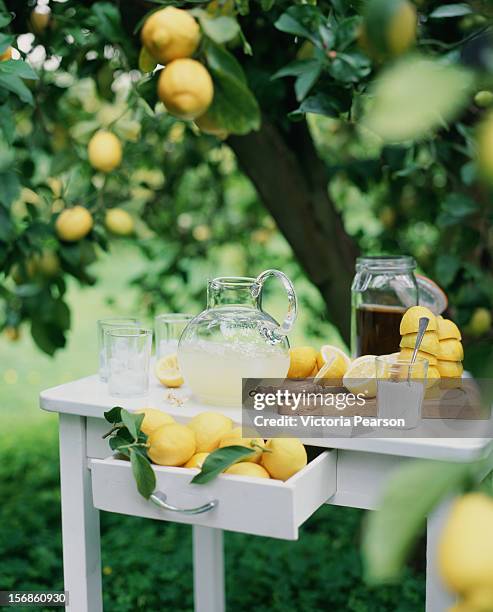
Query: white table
point(361, 469)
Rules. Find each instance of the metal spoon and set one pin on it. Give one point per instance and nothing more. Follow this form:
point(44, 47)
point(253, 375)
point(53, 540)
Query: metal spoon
point(423, 324)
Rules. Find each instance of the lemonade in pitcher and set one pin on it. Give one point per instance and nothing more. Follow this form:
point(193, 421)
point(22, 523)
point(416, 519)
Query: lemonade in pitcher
point(234, 339)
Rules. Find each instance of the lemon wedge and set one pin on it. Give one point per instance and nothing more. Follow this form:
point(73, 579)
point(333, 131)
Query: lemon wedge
point(332, 363)
point(361, 376)
point(168, 372)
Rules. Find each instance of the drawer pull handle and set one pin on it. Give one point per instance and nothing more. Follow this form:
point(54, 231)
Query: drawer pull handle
point(159, 498)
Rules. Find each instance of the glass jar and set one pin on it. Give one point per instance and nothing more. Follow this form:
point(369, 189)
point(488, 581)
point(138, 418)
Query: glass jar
point(384, 287)
point(234, 339)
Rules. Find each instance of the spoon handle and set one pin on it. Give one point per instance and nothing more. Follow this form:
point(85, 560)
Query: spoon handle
point(423, 324)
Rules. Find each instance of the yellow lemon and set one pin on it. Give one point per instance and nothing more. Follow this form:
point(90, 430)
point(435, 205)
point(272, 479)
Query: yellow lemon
point(6, 55)
point(433, 377)
point(485, 147)
point(153, 418)
point(119, 222)
point(104, 151)
point(73, 224)
point(168, 372)
point(480, 322)
point(361, 376)
point(465, 548)
point(480, 599)
point(172, 444)
point(207, 125)
point(209, 428)
point(450, 369)
point(302, 361)
point(430, 343)
point(450, 350)
point(410, 320)
point(169, 34)
point(407, 353)
point(256, 444)
point(332, 363)
point(186, 89)
point(447, 329)
point(284, 457)
point(47, 263)
point(196, 461)
point(40, 18)
point(248, 469)
point(389, 28)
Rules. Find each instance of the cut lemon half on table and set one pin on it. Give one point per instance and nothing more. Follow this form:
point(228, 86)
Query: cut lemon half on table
point(332, 363)
point(168, 372)
point(361, 376)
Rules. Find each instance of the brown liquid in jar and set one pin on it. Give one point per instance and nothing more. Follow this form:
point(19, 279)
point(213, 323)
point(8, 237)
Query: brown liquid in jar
point(377, 329)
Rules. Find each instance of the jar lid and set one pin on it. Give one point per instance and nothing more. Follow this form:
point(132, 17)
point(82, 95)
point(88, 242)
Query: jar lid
point(386, 263)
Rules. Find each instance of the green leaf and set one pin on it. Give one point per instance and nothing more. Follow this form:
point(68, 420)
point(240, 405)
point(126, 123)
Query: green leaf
point(220, 460)
point(297, 68)
point(222, 61)
point(446, 268)
point(13, 83)
point(451, 10)
point(306, 81)
point(319, 104)
point(415, 96)
point(144, 475)
point(411, 495)
point(132, 422)
point(234, 106)
point(19, 68)
point(10, 187)
point(301, 20)
point(114, 415)
point(220, 29)
point(5, 19)
point(48, 337)
point(455, 208)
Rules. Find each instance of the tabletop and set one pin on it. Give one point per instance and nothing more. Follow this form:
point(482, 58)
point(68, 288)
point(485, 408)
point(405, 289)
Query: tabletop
point(89, 397)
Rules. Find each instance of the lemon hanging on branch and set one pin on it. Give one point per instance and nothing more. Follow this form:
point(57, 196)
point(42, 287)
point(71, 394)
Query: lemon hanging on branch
point(389, 28)
point(170, 34)
point(73, 224)
point(186, 89)
point(119, 222)
point(104, 151)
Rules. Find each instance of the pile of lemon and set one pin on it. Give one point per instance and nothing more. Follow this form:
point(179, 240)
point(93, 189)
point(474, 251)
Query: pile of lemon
point(174, 444)
point(170, 36)
point(441, 346)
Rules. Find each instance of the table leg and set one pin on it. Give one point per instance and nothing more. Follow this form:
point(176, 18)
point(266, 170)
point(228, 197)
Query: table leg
point(438, 599)
point(80, 520)
point(208, 569)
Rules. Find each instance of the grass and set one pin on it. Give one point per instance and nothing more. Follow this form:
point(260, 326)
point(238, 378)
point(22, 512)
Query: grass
point(147, 565)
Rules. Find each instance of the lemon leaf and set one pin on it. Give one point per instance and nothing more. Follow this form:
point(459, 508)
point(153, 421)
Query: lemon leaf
point(220, 460)
point(132, 422)
point(144, 475)
point(409, 498)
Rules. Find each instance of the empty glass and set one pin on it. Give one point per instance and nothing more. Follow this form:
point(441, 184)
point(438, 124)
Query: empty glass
point(168, 328)
point(401, 387)
point(103, 325)
point(128, 353)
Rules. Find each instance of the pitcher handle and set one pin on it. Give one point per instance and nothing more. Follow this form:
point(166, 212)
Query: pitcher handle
point(278, 333)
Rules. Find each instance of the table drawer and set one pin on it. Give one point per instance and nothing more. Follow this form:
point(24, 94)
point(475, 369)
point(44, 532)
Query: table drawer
point(249, 505)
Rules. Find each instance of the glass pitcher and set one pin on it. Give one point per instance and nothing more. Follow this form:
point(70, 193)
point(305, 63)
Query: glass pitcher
point(384, 287)
point(234, 339)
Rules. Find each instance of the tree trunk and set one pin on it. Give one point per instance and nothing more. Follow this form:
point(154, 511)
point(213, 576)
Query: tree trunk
point(292, 180)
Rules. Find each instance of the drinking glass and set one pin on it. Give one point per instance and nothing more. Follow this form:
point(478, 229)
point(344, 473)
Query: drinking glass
point(103, 325)
point(168, 328)
point(128, 353)
point(401, 387)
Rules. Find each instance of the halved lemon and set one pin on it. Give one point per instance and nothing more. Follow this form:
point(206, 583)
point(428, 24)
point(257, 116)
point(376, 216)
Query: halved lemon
point(332, 363)
point(361, 377)
point(168, 372)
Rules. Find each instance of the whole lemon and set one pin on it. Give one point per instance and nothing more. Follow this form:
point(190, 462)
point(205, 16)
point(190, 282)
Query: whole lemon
point(170, 33)
point(389, 27)
point(465, 548)
point(209, 428)
point(248, 469)
point(480, 322)
point(480, 599)
point(6, 55)
point(153, 418)
point(256, 444)
point(284, 457)
point(73, 224)
point(186, 89)
point(302, 362)
point(196, 460)
point(172, 444)
point(47, 263)
point(483, 98)
point(119, 222)
point(207, 125)
point(104, 151)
